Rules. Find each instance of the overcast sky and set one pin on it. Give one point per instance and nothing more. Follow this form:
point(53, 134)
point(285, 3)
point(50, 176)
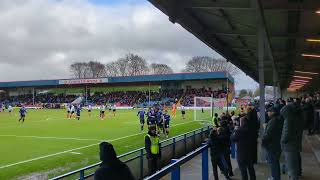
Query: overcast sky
point(39, 39)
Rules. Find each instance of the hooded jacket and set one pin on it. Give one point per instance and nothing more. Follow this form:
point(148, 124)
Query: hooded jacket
point(291, 138)
point(111, 167)
point(272, 134)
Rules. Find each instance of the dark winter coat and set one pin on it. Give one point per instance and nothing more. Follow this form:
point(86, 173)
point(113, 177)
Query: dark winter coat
point(111, 167)
point(240, 137)
point(272, 134)
point(291, 139)
point(308, 114)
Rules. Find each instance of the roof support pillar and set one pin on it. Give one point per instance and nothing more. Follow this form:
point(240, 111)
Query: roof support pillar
point(275, 86)
point(33, 96)
point(261, 57)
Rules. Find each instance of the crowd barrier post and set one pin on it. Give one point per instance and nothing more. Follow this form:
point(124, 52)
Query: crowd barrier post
point(141, 163)
point(174, 147)
point(175, 174)
point(82, 175)
point(185, 143)
point(205, 164)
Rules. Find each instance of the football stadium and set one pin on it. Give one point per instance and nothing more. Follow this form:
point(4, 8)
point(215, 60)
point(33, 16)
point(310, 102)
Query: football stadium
point(160, 89)
point(48, 143)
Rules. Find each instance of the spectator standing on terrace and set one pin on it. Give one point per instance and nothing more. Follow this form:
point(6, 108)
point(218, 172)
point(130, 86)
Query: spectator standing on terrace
point(253, 127)
point(111, 167)
point(216, 144)
point(225, 132)
point(308, 116)
point(152, 147)
point(244, 152)
point(291, 139)
point(271, 141)
point(216, 120)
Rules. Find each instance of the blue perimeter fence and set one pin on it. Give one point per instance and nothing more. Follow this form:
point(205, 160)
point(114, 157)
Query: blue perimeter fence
point(184, 146)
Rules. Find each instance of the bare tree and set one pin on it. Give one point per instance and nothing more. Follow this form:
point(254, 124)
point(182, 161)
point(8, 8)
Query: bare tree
point(130, 65)
point(160, 69)
point(96, 69)
point(79, 69)
point(209, 64)
point(136, 65)
point(112, 69)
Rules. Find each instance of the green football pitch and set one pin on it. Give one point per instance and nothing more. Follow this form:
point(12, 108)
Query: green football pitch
point(48, 144)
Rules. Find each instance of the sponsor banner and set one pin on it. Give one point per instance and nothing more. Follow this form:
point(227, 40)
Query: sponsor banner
point(32, 107)
point(222, 102)
point(84, 81)
point(120, 107)
point(208, 108)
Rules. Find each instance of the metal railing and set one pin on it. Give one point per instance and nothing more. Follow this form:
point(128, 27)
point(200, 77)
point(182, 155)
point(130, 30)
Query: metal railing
point(174, 167)
point(172, 148)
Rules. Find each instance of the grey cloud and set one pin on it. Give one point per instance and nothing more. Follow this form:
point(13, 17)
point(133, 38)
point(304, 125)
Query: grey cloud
point(41, 39)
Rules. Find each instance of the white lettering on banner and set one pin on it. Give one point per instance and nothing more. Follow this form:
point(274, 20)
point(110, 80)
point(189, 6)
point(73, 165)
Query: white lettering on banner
point(84, 81)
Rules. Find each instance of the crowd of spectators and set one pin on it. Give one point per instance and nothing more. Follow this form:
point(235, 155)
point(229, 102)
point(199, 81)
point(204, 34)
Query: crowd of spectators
point(121, 98)
point(283, 131)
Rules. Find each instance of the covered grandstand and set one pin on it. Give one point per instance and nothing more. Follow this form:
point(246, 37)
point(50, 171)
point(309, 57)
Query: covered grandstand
point(123, 91)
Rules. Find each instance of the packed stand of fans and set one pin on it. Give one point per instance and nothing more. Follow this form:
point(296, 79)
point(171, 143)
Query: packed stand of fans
point(121, 98)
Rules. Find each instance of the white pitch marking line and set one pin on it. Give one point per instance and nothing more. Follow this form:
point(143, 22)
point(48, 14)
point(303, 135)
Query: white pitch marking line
point(66, 138)
point(75, 153)
point(43, 137)
point(67, 151)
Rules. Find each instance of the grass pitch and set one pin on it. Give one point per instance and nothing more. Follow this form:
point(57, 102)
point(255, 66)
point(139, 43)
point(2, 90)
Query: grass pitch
point(47, 144)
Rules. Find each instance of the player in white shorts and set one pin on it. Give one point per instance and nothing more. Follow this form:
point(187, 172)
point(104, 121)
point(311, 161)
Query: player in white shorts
point(89, 110)
point(10, 109)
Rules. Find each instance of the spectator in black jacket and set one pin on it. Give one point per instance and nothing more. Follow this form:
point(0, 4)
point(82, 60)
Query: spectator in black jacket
point(253, 128)
point(216, 144)
point(271, 141)
point(225, 132)
point(291, 137)
point(308, 116)
point(244, 154)
point(111, 167)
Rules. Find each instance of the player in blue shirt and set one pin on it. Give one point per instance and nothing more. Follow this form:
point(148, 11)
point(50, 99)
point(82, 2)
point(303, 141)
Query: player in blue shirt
point(159, 120)
point(166, 118)
point(151, 120)
point(23, 113)
point(78, 111)
point(141, 114)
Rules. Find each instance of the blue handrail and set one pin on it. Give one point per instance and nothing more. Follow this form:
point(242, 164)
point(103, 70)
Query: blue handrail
point(141, 154)
point(164, 171)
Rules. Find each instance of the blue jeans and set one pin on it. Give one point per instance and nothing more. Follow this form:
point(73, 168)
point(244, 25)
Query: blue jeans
point(273, 160)
point(244, 167)
point(293, 164)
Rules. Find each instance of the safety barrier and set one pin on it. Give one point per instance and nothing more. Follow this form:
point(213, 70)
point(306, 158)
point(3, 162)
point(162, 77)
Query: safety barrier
point(174, 167)
point(172, 148)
